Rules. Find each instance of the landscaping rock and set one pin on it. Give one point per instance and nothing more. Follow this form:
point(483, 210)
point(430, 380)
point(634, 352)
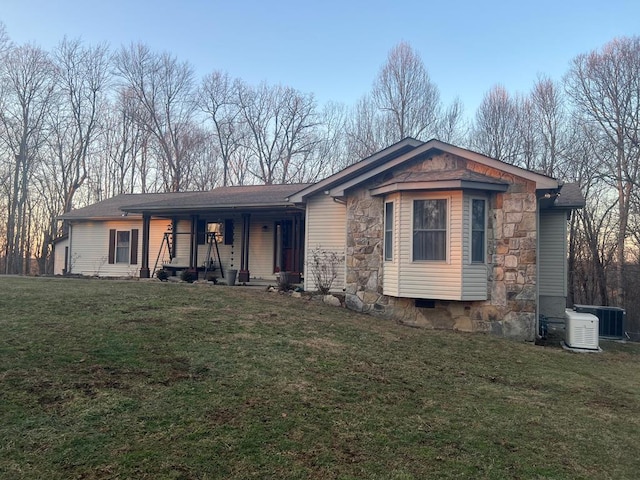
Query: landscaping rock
point(332, 300)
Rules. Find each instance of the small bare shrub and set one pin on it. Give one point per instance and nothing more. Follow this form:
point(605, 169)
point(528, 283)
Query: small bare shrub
point(323, 267)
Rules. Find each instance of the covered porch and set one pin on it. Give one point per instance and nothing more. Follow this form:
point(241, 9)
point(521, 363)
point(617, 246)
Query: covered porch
point(214, 232)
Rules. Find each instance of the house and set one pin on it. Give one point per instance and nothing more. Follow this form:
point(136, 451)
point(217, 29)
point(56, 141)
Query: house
point(426, 233)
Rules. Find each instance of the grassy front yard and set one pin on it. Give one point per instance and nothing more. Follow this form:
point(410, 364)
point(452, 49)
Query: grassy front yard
point(110, 379)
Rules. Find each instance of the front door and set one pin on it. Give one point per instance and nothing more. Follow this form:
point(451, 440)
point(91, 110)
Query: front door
point(289, 243)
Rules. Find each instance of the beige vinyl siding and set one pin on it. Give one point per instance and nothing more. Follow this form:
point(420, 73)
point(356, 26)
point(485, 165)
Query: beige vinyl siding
point(390, 276)
point(157, 229)
point(58, 259)
point(474, 275)
point(326, 225)
point(89, 252)
point(261, 247)
point(552, 261)
point(182, 248)
point(431, 279)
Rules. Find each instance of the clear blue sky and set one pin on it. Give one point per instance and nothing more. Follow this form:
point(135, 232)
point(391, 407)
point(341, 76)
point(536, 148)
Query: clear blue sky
point(335, 48)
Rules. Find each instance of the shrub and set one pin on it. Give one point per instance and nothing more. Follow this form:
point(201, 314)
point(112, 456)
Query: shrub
point(323, 266)
point(162, 275)
point(284, 282)
point(188, 276)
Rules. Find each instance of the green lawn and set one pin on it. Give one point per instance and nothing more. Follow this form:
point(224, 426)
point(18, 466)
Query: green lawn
point(114, 379)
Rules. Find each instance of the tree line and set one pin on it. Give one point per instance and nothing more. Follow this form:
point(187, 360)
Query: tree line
point(82, 123)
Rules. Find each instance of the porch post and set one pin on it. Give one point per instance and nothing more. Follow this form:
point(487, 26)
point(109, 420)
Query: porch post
point(296, 249)
point(174, 237)
point(243, 274)
point(193, 261)
point(144, 270)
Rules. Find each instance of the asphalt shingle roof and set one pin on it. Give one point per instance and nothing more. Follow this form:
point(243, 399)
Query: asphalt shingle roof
point(570, 196)
point(112, 207)
point(238, 196)
point(222, 197)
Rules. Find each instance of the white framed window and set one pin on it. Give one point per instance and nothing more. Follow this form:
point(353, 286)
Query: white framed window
point(478, 230)
point(430, 229)
point(388, 231)
point(123, 241)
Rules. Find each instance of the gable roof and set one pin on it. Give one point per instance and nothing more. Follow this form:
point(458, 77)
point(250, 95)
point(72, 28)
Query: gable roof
point(404, 151)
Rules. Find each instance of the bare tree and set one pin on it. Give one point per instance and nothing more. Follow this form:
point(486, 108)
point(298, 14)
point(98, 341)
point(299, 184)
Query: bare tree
point(364, 131)
point(124, 163)
point(27, 88)
point(281, 124)
point(4, 40)
point(404, 92)
point(452, 127)
point(218, 98)
point(605, 88)
point(495, 130)
point(83, 77)
point(331, 151)
point(165, 90)
point(552, 124)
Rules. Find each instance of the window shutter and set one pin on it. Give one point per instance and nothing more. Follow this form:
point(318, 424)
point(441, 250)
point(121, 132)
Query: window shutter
point(228, 231)
point(202, 232)
point(112, 245)
point(134, 246)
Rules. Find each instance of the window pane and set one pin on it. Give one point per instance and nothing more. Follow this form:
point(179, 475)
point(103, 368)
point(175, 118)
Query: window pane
point(429, 229)
point(122, 247)
point(477, 247)
point(388, 231)
point(478, 215)
point(430, 214)
point(477, 231)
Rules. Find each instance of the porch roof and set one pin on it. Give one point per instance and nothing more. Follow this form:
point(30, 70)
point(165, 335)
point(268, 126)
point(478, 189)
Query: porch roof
point(222, 198)
point(112, 207)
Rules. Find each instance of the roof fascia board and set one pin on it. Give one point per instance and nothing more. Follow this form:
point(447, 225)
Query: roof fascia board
point(438, 185)
point(169, 208)
point(102, 218)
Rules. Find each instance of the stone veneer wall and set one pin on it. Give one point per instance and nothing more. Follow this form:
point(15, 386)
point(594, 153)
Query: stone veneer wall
point(511, 305)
